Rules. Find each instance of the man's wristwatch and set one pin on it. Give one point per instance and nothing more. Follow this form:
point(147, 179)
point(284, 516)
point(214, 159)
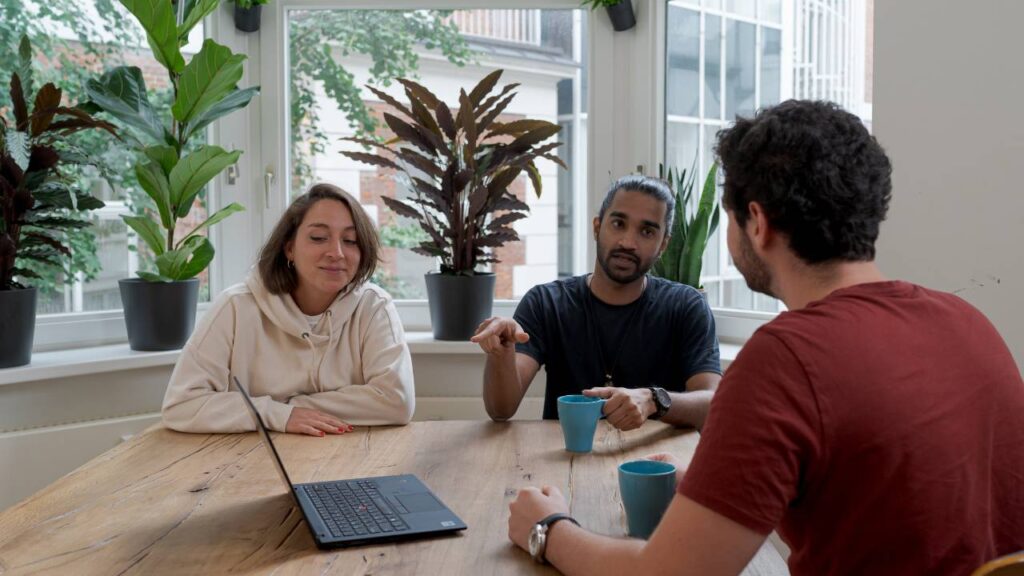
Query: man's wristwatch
point(662, 402)
point(538, 540)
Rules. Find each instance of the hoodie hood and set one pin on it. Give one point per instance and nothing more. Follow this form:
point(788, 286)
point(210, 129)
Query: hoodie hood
point(282, 310)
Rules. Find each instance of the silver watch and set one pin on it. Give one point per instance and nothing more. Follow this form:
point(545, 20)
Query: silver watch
point(538, 540)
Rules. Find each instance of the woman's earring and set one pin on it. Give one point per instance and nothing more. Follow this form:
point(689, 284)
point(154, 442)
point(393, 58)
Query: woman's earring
point(291, 264)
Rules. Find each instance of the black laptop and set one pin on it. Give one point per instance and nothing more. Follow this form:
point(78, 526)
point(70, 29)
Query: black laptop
point(363, 510)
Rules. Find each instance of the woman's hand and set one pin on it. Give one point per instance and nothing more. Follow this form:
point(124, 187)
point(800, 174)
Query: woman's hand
point(315, 423)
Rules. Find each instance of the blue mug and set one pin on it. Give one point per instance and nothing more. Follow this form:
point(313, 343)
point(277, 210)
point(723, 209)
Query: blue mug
point(647, 487)
point(578, 415)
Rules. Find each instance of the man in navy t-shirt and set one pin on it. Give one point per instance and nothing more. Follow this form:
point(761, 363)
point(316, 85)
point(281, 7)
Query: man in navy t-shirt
point(644, 343)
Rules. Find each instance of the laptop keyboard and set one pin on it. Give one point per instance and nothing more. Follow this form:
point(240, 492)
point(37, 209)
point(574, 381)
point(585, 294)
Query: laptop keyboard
point(354, 508)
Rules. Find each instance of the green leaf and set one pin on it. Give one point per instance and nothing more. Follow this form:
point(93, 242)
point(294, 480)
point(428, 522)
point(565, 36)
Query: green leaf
point(154, 182)
point(148, 231)
point(185, 262)
point(121, 92)
point(157, 18)
point(697, 236)
point(233, 101)
point(197, 10)
point(24, 68)
point(18, 147)
point(56, 194)
point(210, 76)
point(194, 171)
point(535, 178)
point(165, 156)
point(55, 222)
point(215, 218)
point(150, 277)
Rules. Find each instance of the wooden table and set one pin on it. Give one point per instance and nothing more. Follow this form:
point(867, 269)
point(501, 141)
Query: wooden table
point(166, 502)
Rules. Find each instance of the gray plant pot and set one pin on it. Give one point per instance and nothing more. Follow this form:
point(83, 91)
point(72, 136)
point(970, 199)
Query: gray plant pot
point(159, 315)
point(17, 326)
point(458, 304)
point(621, 15)
point(247, 19)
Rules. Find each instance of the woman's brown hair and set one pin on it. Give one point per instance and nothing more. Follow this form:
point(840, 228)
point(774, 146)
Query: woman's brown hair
point(278, 277)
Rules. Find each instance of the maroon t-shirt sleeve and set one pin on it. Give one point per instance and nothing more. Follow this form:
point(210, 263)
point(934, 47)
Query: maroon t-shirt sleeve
point(762, 433)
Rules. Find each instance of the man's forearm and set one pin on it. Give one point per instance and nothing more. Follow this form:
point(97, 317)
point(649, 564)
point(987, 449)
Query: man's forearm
point(574, 550)
point(502, 389)
point(689, 408)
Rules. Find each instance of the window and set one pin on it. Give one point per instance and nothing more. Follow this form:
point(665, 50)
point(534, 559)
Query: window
point(731, 57)
point(444, 50)
point(74, 42)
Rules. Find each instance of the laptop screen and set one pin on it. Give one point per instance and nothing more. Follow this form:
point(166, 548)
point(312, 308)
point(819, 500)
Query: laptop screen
point(261, 428)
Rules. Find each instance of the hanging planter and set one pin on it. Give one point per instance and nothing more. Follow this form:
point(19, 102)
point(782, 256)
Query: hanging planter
point(247, 14)
point(619, 11)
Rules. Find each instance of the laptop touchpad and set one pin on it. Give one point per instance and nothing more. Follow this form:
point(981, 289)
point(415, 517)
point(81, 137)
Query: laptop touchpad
point(424, 502)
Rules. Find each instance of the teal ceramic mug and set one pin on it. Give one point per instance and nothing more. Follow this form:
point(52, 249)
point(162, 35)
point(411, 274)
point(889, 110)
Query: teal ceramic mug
point(647, 487)
point(578, 415)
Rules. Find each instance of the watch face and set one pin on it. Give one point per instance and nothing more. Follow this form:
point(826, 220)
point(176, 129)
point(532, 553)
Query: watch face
point(534, 541)
point(662, 398)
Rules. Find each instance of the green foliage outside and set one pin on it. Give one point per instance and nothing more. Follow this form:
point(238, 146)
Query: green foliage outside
point(390, 38)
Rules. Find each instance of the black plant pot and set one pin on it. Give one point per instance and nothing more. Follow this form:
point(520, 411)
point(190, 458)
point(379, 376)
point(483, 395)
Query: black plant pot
point(247, 19)
point(621, 15)
point(458, 304)
point(159, 315)
point(17, 326)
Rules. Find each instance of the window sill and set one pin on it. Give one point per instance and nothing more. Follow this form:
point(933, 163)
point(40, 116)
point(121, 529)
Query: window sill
point(118, 357)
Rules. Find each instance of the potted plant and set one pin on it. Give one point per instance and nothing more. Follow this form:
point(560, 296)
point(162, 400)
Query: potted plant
point(174, 165)
point(684, 255)
point(458, 166)
point(619, 11)
point(247, 14)
point(36, 199)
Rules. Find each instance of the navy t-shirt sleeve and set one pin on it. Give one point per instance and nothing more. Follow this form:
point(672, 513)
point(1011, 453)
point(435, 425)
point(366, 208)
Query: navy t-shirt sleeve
point(700, 340)
point(531, 316)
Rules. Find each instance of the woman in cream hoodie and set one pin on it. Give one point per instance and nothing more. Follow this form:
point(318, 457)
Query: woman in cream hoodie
point(318, 347)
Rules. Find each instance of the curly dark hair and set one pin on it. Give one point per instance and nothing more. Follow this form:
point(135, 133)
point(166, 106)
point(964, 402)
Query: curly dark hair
point(821, 177)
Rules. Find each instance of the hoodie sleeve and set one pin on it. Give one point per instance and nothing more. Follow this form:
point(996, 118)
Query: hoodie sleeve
point(198, 399)
point(388, 395)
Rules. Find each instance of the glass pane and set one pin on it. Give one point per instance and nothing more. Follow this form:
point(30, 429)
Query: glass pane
point(74, 42)
point(745, 8)
point(740, 38)
point(682, 82)
point(771, 11)
point(771, 66)
point(712, 67)
point(681, 145)
point(445, 51)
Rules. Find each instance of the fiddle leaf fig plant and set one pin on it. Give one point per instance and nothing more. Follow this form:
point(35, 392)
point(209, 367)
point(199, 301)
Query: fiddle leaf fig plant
point(37, 201)
point(684, 255)
point(173, 167)
point(459, 165)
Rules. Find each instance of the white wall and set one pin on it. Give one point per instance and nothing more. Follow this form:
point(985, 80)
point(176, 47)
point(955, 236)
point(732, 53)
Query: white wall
point(949, 76)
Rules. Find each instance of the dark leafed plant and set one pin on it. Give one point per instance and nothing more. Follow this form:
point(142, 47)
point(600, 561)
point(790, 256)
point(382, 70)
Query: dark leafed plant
point(459, 166)
point(684, 255)
point(36, 199)
point(172, 170)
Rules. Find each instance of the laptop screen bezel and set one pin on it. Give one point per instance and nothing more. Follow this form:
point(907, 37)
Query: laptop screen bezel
point(264, 433)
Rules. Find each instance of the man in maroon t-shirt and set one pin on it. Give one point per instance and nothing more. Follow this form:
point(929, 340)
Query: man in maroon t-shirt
point(877, 425)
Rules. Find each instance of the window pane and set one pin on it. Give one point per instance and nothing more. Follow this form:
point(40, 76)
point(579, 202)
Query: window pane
point(681, 145)
point(740, 40)
point(771, 11)
point(745, 8)
point(73, 42)
point(682, 83)
point(771, 66)
point(712, 67)
point(445, 51)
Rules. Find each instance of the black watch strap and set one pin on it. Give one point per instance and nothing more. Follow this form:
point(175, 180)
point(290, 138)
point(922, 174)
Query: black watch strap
point(556, 517)
point(658, 395)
